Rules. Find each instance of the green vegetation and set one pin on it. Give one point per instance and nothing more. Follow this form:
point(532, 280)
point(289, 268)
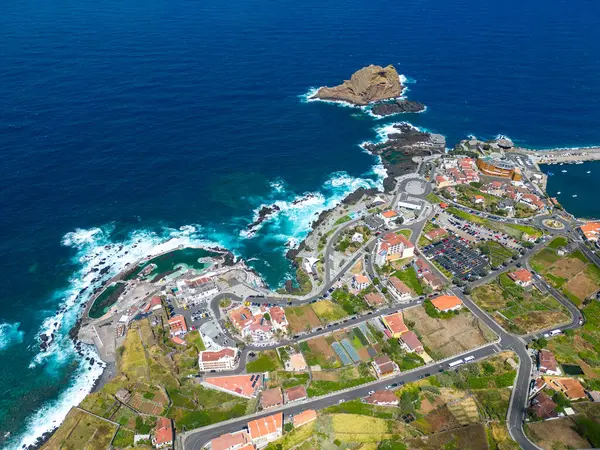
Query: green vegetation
point(573, 274)
point(82, 430)
point(194, 338)
point(323, 239)
point(433, 198)
point(405, 360)
point(342, 220)
point(352, 304)
point(496, 252)
point(409, 277)
point(267, 361)
point(583, 346)
point(343, 378)
point(345, 244)
point(328, 311)
point(406, 233)
point(517, 309)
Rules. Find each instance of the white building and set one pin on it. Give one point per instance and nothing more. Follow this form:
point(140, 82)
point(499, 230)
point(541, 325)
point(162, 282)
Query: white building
point(358, 238)
point(360, 282)
point(224, 359)
point(392, 247)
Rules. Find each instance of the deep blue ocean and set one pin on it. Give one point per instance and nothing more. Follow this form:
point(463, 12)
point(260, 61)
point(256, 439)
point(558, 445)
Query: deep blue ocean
point(128, 127)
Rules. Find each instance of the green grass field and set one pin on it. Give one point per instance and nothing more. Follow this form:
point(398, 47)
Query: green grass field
point(496, 252)
point(519, 310)
point(409, 277)
point(265, 362)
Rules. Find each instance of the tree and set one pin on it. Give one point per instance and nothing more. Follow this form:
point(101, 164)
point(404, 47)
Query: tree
point(288, 427)
point(267, 317)
point(540, 343)
point(376, 281)
point(468, 290)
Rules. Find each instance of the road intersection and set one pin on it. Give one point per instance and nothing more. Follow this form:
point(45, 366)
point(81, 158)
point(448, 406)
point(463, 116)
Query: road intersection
point(195, 439)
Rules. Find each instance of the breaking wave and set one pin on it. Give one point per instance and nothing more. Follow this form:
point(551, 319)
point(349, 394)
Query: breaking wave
point(10, 335)
point(98, 257)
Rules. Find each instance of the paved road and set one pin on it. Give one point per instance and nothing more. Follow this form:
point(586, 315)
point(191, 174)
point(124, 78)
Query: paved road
point(518, 402)
point(194, 440)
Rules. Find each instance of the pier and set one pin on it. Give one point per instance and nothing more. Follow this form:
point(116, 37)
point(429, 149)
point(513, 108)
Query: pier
point(562, 155)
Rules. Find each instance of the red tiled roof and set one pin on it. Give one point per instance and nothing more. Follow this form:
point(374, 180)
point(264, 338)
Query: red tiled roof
point(238, 384)
point(411, 340)
point(446, 302)
point(277, 314)
point(265, 426)
point(271, 397)
point(177, 323)
point(522, 275)
point(385, 364)
point(164, 431)
point(395, 322)
point(304, 417)
point(208, 355)
point(230, 440)
point(547, 361)
point(374, 299)
point(382, 397)
point(400, 286)
point(296, 393)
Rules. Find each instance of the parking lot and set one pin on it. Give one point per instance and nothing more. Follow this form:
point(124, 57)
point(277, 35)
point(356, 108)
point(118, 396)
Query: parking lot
point(457, 257)
point(476, 233)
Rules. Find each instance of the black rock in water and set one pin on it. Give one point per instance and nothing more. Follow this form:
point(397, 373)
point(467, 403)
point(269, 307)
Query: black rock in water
point(398, 107)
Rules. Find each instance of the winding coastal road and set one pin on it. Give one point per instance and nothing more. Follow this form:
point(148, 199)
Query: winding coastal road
point(195, 439)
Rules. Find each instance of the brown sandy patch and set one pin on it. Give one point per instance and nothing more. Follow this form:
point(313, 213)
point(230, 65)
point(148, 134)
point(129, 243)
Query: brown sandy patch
point(582, 286)
point(567, 267)
point(556, 433)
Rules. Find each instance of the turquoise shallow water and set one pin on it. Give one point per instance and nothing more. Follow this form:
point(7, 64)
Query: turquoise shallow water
point(129, 128)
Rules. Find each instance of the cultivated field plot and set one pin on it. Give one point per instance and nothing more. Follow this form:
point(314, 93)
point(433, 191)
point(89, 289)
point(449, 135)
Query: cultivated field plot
point(82, 431)
point(328, 381)
point(519, 310)
point(472, 437)
point(447, 337)
point(328, 311)
point(558, 433)
point(496, 252)
point(301, 317)
point(573, 274)
point(318, 351)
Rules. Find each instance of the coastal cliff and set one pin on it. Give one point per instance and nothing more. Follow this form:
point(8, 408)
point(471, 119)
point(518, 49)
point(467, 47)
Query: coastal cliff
point(369, 84)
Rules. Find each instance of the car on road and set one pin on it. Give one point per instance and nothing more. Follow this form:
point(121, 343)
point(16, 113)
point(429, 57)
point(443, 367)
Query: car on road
point(340, 401)
point(371, 392)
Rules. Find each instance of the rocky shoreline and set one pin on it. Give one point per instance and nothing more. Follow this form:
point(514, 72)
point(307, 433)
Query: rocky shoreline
point(367, 85)
point(399, 106)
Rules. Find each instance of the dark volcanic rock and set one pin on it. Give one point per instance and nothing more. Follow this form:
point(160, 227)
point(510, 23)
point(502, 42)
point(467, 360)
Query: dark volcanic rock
point(398, 151)
point(263, 214)
point(398, 107)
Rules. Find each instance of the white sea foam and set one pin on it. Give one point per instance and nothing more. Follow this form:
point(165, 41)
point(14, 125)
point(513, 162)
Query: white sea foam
point(10, 335)
point(292, 222)
point(278, 185)
point(310, 96)
point(95, 250)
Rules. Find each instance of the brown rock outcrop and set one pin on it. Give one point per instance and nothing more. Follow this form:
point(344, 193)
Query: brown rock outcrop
point(369, 84)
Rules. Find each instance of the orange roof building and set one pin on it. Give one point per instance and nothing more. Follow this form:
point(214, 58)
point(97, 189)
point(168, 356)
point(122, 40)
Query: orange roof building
point(241, 317)
point(374, 299)
point(522, 277)
point(304, 417)
point(164, 435)
point(399, 289)
point(436, 233)
point(295, 394)
point(271, 398)
point(266, 429)
point(445, 303)
point(395, 324)
point(570, 387)
point(590, 230)
point(246, 386)
point(389, 214)
point(231, 441)
point(177, 325)
point(224, 359)
point(383, 398)
point(384, 366)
